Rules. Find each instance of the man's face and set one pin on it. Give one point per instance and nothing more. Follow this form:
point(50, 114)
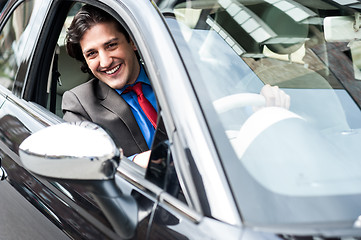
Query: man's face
point(109, 55)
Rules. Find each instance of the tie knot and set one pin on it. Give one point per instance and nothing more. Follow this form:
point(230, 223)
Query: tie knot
point(137, 88)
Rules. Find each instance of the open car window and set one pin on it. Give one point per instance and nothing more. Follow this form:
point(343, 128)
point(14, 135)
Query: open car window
point(64, 72)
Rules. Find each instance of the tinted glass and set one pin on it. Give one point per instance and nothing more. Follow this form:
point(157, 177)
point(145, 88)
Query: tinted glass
point(12, 42)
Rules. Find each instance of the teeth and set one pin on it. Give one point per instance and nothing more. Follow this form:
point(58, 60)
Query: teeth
point(113, 70)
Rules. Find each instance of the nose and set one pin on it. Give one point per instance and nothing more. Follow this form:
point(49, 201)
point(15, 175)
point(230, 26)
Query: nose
point(104, 59)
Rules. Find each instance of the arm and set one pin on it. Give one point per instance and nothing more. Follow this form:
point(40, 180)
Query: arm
point(142, 159)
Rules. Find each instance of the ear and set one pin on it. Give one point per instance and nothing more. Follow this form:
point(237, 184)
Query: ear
point(133, 45)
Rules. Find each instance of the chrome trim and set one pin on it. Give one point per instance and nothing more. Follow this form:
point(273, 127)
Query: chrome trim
point(41, 114)
point(184, 173)
point(180, 207)
point(4, 92)
point(135, 175)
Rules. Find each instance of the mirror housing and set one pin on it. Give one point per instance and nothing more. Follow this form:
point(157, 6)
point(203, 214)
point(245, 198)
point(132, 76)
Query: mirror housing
point(76, 151)
point(83, 152)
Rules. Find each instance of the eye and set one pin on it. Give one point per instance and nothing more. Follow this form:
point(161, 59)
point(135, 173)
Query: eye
point(112, 45)
point(90, 54)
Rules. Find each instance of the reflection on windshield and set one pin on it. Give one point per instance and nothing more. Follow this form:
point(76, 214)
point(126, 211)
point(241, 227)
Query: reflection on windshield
point(303, 156)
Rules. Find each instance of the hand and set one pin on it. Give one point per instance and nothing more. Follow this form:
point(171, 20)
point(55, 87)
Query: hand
point(142, 159)
point(275, 97)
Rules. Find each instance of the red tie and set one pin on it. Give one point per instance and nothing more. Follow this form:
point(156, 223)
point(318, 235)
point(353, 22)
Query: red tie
point(147, 107)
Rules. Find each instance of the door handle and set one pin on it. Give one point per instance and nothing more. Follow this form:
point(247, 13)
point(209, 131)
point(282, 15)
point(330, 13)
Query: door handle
point(3, 174)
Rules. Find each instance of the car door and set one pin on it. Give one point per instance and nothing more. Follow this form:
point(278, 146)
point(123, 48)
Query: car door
point(20, 215)
point(29, 104)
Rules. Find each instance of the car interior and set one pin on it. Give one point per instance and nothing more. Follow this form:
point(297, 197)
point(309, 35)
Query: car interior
point(70, 74)
point(291, 43)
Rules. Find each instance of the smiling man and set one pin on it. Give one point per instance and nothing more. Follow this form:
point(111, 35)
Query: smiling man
point(109, 55)
point(119, 97)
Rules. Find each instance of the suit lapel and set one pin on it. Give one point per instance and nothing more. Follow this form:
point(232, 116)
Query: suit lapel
point(111, 100)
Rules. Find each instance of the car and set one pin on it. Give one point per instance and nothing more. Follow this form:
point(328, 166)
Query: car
point(234, 166)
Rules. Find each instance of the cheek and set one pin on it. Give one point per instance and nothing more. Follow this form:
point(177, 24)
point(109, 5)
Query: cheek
point(122, 52)
point(92, 65)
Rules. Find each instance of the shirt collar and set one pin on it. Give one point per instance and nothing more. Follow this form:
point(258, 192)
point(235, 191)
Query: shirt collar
point(142, 77)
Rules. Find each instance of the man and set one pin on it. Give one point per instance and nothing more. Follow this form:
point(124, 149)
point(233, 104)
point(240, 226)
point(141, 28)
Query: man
point(107, 52)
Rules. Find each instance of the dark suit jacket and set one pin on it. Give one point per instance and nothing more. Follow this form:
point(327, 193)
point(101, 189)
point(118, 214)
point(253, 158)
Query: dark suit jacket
point(96, 102)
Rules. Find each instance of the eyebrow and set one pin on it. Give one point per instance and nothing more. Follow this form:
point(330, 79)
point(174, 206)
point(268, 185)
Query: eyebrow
point(111, 40)
point(104, 44)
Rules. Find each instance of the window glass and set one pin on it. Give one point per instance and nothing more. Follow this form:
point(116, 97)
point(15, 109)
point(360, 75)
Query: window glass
point(289, 165)
point(12, 42)
point(2, 5)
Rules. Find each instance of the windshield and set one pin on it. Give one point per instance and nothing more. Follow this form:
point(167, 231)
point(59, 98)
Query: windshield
point(296, 165)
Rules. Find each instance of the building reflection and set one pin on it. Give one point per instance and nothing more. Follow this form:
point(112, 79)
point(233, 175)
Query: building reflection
point(12, 132)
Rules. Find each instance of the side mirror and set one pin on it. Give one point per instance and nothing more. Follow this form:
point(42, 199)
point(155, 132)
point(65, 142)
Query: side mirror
point(76, 151)
point(85, 153)
point(342, 28)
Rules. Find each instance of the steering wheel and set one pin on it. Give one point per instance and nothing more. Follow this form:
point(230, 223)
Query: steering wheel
point(238, 100)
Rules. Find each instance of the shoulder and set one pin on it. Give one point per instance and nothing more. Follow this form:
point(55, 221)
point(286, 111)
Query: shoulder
point(90, 89)
point(81, 94)
point(78, 102)
point(94, 88)
point(85, 87)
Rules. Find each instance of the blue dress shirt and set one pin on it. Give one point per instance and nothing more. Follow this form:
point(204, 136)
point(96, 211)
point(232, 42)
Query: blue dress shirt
point(131, 98)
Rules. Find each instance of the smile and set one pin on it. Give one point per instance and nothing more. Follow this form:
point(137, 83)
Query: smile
point(112, 70)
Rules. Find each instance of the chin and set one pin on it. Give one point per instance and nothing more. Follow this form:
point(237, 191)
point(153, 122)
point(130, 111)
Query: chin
point(117, 86)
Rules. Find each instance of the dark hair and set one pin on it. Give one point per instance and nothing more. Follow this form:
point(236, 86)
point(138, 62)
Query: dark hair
point(87, 17)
